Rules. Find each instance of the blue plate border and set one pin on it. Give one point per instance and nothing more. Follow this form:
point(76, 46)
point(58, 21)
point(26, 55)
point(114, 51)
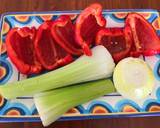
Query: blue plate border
point(73, 118)
point(73, 12)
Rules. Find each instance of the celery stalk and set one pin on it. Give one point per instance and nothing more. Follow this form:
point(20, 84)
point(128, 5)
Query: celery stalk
point(99, 65)
point(52, 104)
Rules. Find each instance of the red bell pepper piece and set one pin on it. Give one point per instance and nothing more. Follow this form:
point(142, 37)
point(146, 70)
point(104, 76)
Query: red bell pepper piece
point(49, 52)
point(133, 51)
point(145, 39)
point(118, 41)
point(20, 49)
point(87, 25)
point(63, 32)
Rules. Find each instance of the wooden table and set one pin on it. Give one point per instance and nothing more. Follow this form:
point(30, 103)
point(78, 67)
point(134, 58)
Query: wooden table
point(46, 5)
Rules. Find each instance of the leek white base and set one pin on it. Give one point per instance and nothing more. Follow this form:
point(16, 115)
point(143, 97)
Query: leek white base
point(52, 104)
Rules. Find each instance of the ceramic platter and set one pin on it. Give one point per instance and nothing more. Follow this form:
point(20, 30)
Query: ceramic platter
point(114, 105)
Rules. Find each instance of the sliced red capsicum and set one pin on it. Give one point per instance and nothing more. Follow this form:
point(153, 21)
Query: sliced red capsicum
point(20, 49)
point(145, 39)
point(118, 41)
point(63, 32)
point(88, 23)
point(49, 52)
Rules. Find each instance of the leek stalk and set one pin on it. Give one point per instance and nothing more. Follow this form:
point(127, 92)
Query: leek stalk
point(99, 65)
point(52, 104)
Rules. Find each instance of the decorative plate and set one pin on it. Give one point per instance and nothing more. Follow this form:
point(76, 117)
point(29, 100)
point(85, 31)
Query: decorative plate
point(113, 105)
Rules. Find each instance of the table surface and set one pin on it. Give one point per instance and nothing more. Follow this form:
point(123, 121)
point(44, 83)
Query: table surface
point(48, 5)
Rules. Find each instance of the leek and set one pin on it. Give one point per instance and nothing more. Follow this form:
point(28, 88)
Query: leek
point(52, 104)
point(99, 65)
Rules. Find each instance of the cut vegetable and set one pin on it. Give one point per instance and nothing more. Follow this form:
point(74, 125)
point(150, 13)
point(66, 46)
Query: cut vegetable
point(87, 25)
point(99, 65)
point(52, 104)
point(50, 54)
point(145, 38)
point(133, 78)
point(63, 32)
point(20, 50)
point(118, 41)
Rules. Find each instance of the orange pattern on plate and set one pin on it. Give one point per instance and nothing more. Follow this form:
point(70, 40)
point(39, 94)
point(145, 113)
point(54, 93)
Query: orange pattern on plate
point(99, 109)
point(73, 111)
point(129, 108)
point(2, 72)
point(156, 23)
point(3, 48)
point(154, 108)
point(13, 113)
point(46, 17)
point(1, 100)
point(145, 15)
point(21, 18)
point(121, 15)
point(5, 28)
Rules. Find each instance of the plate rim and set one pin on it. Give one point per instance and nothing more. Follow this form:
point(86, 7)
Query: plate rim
point(76, 117)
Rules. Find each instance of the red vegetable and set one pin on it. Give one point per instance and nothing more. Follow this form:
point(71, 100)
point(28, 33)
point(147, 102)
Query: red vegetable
point(133, 51)
point(63, 32)
point(87, 25)
point(117, 40)
point(20, 49)
point(48, 51)
point(146, 40)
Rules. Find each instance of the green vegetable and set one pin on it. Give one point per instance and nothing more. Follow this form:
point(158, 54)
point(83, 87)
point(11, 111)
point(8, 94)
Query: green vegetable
point(99, 65)
point(52, 104)
point(133, 78)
